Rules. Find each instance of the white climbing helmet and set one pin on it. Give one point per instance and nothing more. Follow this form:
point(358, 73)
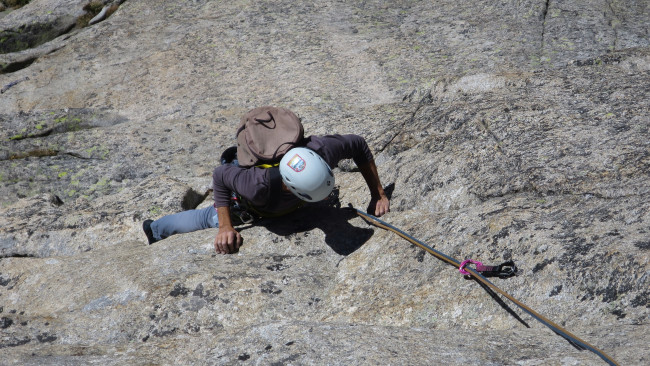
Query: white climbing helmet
point(306, 174)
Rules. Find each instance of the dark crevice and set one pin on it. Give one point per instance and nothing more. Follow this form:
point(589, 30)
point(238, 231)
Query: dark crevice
point(191, 199)
point(32, 135)
point(483, 124)
point(15, 4)
point(24, 126)
point(17, 255)
point(37, 153)
point(78, 156)
point(531, 189)
point(97, 11)
point(16, 66)
point(543, 19)
point(32, 35)
point(528, 188)
point(29, 36)
point(426, 99)
point(12, 84)
point(612, 24)
point(63, 128)
point(41, 153)
point(56, 200)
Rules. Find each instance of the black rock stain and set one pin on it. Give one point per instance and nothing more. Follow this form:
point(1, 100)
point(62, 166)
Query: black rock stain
point(5, 322)
point(179, 290)
point(46, 338)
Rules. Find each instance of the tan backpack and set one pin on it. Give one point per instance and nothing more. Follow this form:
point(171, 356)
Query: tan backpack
point(265, 134)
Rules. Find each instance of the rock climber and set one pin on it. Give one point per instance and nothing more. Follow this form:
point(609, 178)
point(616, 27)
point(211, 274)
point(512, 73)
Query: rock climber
point(304, 175)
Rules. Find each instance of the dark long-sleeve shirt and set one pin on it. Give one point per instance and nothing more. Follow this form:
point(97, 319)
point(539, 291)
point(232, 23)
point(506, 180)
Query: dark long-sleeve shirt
point(253, 184)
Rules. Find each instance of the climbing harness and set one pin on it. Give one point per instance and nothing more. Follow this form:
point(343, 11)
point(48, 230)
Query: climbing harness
point(242, 211)
point(479, 277)
point(238, 211)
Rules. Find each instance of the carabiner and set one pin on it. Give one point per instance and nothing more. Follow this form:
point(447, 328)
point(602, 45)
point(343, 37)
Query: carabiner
point(462, 270)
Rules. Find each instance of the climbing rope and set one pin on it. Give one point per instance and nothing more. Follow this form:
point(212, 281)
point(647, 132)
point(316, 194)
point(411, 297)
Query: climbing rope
point(478, 276)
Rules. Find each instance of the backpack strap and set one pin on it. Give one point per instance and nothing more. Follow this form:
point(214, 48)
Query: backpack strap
point(276, 189)
point(243, 211)
point(266, 166)
point(276, 184)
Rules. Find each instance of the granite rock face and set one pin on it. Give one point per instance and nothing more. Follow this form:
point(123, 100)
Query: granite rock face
point(504, 130)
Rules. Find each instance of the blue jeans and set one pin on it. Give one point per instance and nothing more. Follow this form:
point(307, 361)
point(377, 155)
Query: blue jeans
point(185, 222)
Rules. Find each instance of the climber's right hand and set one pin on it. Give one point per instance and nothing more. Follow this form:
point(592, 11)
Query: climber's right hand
point(227, 241)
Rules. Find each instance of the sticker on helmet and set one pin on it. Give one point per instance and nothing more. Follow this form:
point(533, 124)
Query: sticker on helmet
point(297, 163)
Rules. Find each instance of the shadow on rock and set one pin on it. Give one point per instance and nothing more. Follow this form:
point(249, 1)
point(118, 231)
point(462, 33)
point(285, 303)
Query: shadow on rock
point(343, 237)
point(340, 235)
